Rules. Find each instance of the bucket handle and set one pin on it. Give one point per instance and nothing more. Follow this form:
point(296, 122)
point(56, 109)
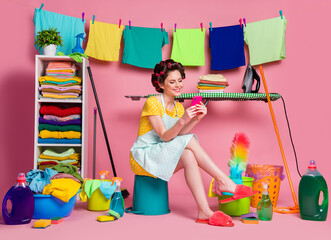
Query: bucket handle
point(130, 210)
point(5, 206)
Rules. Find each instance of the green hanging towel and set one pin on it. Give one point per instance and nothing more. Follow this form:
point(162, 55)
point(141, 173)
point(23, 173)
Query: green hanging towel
point(189, 47)
point(266, 40)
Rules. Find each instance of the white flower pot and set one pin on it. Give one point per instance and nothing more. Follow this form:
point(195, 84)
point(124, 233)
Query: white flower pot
point(50, 50)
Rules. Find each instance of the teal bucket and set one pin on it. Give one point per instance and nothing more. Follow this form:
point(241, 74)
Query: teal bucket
point(150, 196)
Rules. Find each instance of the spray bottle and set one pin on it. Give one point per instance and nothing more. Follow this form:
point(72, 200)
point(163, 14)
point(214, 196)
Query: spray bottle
point(264, 207)
point(117, 201)
point(78, 47)
point(22, 203)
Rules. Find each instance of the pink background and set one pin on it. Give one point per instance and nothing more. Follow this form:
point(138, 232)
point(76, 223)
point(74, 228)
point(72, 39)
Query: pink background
point(302, 79)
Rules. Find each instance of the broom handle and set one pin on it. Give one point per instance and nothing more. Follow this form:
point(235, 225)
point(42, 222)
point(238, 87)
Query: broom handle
point(278, 137)
point(102, 122)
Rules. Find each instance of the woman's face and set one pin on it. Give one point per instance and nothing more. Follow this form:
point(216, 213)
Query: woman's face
point(173, 84)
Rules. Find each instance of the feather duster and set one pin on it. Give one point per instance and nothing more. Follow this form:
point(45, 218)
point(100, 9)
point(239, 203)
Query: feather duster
point(239, 155)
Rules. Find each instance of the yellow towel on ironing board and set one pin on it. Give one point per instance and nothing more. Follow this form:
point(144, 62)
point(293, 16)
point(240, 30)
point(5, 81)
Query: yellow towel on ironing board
point(104, 41)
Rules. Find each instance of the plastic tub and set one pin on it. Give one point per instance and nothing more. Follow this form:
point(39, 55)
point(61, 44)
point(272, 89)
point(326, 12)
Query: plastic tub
point(47, 207)
point(238, 207)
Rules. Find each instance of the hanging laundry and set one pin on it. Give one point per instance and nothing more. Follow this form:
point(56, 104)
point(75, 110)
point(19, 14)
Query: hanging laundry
point(104, 41)
point(266, 40)
point(227, 47)
point(68, 27)
point(189, 47)
point(143, 46)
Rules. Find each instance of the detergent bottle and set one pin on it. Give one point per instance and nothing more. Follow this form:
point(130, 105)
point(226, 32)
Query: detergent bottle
point(264, 207)
point(117, 201)
point(21, 199)
point(78, 47)
point(311, 185)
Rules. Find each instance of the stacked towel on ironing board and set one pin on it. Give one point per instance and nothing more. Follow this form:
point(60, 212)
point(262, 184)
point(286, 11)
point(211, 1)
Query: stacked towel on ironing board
point(60, 81)
point(60, 124)
point(212, 83)
point(50, 158)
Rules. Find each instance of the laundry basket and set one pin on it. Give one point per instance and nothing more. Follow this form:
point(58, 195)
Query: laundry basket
point(270, 174)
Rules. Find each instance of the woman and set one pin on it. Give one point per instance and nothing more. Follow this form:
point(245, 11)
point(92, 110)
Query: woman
point(164, 144)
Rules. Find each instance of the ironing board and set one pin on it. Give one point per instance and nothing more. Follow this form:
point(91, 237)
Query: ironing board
point(219, 96)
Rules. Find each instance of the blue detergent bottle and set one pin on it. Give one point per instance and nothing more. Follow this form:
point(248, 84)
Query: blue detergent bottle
point(20, 197)
point(117, 201)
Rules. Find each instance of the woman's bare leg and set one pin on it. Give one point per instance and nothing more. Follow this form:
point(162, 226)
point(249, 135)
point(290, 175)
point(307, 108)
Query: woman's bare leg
point(194, 181)
point(225, 184)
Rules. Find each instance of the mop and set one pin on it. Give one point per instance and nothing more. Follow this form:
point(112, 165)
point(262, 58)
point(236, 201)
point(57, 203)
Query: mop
point(125, 192)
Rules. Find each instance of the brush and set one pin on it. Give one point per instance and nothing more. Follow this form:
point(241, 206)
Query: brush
point(239, 156)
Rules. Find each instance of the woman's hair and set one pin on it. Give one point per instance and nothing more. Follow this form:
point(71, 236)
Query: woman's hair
point(161, 71)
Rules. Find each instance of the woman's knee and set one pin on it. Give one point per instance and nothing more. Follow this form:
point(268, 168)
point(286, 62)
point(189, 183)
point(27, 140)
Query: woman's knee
point(192, 144)
point(188, 158)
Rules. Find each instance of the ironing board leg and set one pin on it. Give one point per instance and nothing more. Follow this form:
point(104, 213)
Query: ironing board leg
point(278, 138)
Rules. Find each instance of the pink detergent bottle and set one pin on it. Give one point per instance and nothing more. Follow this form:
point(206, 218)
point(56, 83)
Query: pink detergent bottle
point(20, 197)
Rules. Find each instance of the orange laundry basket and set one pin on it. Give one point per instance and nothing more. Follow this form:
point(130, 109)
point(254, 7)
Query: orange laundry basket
point(270, 174)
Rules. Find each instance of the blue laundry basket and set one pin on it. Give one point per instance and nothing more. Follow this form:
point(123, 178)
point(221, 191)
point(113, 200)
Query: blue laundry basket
point(150, 196)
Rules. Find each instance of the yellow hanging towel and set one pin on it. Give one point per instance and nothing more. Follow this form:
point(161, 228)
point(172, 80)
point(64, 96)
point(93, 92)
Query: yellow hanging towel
point(104, 41)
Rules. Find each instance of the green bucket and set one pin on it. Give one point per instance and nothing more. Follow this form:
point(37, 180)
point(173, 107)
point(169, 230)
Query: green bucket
point(150, 196)
point(238, 207)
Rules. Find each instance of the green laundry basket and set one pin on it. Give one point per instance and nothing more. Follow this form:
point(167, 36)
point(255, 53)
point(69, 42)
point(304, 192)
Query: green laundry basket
point(238, 207)
point(150, 196)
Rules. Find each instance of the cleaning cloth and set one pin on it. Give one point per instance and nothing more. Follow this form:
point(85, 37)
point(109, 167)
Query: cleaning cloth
point(67, 168)
point(143, 46)
point(90, 186)
point(104, 41)
point(266, 40)
point(189, 47)
point(107, 188)
point(227, 47)
point(62, 188)
point(69, 27)
point(38, 179)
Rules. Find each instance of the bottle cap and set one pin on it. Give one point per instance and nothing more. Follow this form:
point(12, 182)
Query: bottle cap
point(312, 164)
point(21, 178)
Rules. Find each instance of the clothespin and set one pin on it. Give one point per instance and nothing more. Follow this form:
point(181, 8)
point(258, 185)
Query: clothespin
point(119, 24)
point(41, 6)
point(240, 21)
point(245, 22)
point(83, 14)
point(161, 27)
point(211, 27)
point(175, 26)
point(130, 24)
point(281, 14)
point(93, 19)
point(201, 27)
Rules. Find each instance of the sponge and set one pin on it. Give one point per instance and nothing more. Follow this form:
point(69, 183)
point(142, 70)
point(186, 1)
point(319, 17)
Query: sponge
point(42, 223)
point(105, 218)
point(113, 213)
point(56, 220)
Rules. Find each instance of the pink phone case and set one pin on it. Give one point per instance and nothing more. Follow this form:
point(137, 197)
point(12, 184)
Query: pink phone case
point(196, 100)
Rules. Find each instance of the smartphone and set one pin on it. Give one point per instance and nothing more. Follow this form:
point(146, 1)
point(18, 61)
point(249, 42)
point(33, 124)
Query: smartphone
point(196, 100)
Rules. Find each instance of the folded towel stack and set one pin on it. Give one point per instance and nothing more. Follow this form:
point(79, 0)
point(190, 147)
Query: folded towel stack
point(49, 158)
point(212, 83)
point(60, 124)
point(60, 81)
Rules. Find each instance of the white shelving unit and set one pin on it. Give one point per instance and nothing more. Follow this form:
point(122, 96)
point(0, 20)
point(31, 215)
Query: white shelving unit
point(41, 62)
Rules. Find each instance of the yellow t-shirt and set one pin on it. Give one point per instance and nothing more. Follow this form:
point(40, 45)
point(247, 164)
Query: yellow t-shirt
point(152, 107)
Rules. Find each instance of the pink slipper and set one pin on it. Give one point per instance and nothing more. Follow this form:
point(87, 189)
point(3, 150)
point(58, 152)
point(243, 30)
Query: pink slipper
point(218, 219)
point(241, 191)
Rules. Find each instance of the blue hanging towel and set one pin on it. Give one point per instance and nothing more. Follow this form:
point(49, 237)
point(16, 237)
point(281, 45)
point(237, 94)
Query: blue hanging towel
point(69, 27)
point(227, 47)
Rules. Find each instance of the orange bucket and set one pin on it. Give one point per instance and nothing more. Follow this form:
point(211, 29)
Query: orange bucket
point(270, 174)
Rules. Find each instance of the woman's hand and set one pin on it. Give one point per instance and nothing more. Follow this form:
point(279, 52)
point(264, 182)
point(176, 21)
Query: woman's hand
point(201, 111)
point(189, 114)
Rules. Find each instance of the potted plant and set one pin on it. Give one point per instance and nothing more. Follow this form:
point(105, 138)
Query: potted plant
point(49, 39)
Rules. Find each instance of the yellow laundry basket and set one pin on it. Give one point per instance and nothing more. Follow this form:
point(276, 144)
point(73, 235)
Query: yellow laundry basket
point(270, 174)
